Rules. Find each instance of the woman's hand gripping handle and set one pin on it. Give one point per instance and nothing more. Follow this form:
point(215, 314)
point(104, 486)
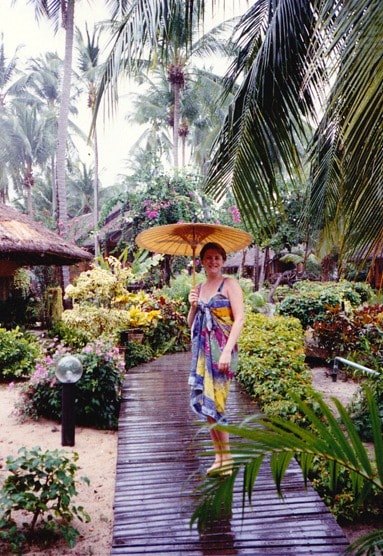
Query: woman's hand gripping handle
point(193, 300)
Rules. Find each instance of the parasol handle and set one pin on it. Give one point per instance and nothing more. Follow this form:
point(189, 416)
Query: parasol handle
point(193, 273)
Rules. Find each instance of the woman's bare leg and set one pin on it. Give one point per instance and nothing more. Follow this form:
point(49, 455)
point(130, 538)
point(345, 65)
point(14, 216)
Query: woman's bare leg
point(221, 446)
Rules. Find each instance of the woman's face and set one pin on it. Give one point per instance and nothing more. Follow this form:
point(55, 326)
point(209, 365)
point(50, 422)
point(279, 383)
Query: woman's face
point(212, 262)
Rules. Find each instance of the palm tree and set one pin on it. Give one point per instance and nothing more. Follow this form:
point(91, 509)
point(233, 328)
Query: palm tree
point(81, 189)
point(8, 70)
point(278, 441)
point(150, 109)
point(298, 59)
point(89, 66)
point(167, 29)
point(40, 86)
point(201, 113)
point(28, 141)
point(63, 11)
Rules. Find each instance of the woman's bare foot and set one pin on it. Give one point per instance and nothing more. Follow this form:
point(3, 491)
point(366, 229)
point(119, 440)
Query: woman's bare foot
point(214, 468)
point(226, 466)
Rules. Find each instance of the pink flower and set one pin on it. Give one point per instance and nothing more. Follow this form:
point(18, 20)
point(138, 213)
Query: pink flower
point(236, 215)
point(151, 213)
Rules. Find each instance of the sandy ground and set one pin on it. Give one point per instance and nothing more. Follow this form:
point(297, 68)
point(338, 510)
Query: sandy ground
point(97, 460)
point(97, 452)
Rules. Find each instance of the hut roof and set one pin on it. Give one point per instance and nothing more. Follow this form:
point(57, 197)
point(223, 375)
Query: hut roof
point(30, 243)
point(235, 260)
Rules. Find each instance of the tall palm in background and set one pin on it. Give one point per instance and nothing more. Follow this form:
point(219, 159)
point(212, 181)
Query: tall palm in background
point(29, 136)
point(40, 86)
point(61, 13)
point(7, 75)
point(201, 114)
point(176, 42)
point(88, 62)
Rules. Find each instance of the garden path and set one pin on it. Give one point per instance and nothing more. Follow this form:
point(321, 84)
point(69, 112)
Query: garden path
point(162, 458)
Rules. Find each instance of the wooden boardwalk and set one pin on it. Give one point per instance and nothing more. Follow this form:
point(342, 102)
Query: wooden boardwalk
point(160, 461)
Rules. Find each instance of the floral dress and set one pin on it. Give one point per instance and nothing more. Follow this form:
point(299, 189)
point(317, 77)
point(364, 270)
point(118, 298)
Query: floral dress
point(210, 331)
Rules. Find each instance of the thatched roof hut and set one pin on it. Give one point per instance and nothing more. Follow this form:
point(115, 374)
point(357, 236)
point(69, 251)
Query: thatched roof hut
point(24, 242)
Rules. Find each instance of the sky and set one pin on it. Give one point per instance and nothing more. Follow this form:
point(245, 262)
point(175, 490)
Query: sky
point(19, 27)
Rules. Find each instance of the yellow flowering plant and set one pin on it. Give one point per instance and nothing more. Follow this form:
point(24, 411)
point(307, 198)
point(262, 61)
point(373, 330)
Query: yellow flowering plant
point(103, 306)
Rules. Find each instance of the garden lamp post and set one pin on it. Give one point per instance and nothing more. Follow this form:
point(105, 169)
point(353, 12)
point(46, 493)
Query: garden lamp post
point(68, 371)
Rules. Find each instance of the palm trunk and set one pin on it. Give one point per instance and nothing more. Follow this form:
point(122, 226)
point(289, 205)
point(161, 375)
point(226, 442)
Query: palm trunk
point(95, 197)
point(62, 132)
point(176, 123)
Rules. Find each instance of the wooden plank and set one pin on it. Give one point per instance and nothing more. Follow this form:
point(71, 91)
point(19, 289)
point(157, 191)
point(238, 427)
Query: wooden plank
point(162, 458)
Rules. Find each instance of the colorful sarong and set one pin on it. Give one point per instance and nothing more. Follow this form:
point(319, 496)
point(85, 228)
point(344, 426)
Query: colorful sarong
point(210, 331)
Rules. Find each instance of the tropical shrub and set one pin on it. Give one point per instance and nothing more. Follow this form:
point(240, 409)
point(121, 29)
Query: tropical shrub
point(18, 354)
point(256, 300)
point(358, 407)
point(98, 392)
point(309, 301)
point(172, 332)
point(136, 354)
point(272, 364)
point(355, 335)
point(103, 306)
point(74, 338)
point(180, 286)
point(41, 485)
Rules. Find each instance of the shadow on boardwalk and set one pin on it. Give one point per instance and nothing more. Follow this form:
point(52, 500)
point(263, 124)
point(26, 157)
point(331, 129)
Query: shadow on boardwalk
point(160, 462)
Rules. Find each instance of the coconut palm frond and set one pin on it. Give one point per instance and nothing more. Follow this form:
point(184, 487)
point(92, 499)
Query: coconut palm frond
point(214, 493)
point(277, 441)
point(346, 157)
point(257, 149)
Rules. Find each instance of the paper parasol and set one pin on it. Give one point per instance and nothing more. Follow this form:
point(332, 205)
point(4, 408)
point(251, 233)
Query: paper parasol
point(187, 239)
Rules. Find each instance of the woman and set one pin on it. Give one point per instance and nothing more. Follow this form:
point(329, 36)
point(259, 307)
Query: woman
point(216, 318)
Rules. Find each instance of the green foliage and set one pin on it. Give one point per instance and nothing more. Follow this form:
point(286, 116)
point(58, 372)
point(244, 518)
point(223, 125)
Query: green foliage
point(18, 354)
point(180, 287)
point(339, 495)
point(136, 354)
point(165, 199)
point(309, 301)
point(98, 392)
point(256, 300)
point(272, 364)
point(101, 284)
point(172, 333)
point(71, 337)
point(22, 308)
point(275, 440)
point(358, 336)
point(359, 407)
point(41, 485)
point(54, 305)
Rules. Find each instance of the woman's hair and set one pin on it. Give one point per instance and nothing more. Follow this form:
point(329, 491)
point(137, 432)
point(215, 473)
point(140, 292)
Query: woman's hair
point(216, 246)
